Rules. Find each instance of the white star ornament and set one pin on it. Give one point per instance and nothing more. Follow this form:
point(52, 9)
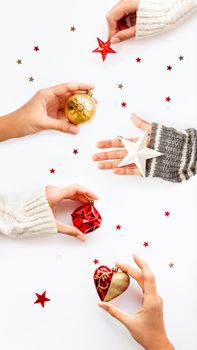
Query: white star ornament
point(138, 153)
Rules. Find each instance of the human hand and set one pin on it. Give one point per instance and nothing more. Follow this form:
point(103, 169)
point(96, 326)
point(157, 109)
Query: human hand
point(111, 159)
point(146, 326)
point(44, 111)
point(121, 21)
point(55, 195)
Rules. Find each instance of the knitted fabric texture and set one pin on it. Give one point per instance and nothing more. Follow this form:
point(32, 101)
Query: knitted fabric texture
point(179, 160)
point(31, 218)
point(156, 16)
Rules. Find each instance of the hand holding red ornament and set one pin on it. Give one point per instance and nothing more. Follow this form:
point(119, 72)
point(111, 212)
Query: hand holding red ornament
point(55, 195)
point(147, 325)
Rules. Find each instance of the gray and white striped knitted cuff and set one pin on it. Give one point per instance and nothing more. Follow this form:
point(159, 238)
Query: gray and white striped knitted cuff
point(179, 160)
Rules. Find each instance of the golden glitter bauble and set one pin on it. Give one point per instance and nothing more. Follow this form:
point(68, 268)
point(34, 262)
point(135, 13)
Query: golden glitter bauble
point(80, 108)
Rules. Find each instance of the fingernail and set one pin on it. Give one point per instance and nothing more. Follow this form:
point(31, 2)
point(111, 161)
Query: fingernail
point(100, 304)
point(81, 238)
point(73, 129)
point(115, 40)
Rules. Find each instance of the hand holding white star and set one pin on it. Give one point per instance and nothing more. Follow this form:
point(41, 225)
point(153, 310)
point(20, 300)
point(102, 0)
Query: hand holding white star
point(138, 153)
point(118, 153)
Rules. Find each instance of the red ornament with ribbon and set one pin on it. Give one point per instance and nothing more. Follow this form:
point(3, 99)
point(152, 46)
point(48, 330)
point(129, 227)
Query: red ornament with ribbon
point(86, 217)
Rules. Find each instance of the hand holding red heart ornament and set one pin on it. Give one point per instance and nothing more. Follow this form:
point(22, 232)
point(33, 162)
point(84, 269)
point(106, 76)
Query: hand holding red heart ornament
point(110, 283)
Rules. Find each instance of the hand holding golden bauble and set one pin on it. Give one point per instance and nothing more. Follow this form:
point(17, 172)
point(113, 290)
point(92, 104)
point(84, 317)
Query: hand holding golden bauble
point(80, 108)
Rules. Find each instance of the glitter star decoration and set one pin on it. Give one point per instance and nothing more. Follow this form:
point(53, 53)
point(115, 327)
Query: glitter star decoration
point(19, 61)
point(52, 171)
point(95, 261)
point(75, 151)
point(181, 58)
point(104, 48)
point(36, 48)
point(167, 213)
point(118, 227)
point(120, 86)
point(31, 79)
point(169, 68)
point(41, 299)
point(171, 265)
point(72, 29)
point(138, 60)
point(146, 244)
point(138, 153)
point(168, 99)
point(123, 104)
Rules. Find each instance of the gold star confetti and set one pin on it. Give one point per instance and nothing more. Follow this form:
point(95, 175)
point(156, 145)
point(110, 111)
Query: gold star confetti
point(31, 79)
point(120, 86)
point(72, 29)
point(19, 61)
point(171, 265)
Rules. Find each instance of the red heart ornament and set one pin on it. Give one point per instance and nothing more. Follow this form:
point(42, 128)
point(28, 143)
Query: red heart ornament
point(110, 283)
point(86, 218)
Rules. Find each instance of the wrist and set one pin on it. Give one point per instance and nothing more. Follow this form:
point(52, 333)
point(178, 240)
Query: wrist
point(4, 128)
point(162, 345)
point(10, 126)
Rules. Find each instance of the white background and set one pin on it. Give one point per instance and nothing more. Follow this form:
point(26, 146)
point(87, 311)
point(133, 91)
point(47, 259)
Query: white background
point(61, 265)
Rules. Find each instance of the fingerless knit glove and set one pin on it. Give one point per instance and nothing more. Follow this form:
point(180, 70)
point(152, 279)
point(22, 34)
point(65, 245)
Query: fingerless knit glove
point(179, 160)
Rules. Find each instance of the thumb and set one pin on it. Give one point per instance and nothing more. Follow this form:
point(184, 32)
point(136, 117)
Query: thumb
point(123, 35)
point(70, 231)
point(140, 123)
point(62, 125)
point(115, 312)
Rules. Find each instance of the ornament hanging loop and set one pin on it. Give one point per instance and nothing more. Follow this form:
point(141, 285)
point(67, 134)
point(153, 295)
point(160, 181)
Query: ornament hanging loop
point(89, 92)
point(91, 201)
point(115, 269)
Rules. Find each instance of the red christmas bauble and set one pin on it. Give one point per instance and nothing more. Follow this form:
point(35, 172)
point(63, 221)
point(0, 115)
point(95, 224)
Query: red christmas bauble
point(86, 218)
point(110, 283)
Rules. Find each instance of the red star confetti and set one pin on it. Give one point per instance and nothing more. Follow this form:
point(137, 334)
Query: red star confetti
point(118, 227)
point(169, 68)
point(168, 99)
point(95, 261)
point(52, 171)
point(75, 151)
point(167, 213)
point(146, 244)
point(104, 48)
point(123, 104)
point(36, 48)
point(41, 299)
point(138, 60)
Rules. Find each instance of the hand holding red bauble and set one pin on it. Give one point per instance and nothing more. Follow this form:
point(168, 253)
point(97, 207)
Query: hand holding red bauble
point(86, 217)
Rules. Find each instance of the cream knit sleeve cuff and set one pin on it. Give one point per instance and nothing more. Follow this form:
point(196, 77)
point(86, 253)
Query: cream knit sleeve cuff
point(33, 218)
point(157, 16)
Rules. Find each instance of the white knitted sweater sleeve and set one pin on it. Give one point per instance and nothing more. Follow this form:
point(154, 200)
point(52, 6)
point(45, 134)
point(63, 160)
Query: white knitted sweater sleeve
point(157, 16)
point(29, 218)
